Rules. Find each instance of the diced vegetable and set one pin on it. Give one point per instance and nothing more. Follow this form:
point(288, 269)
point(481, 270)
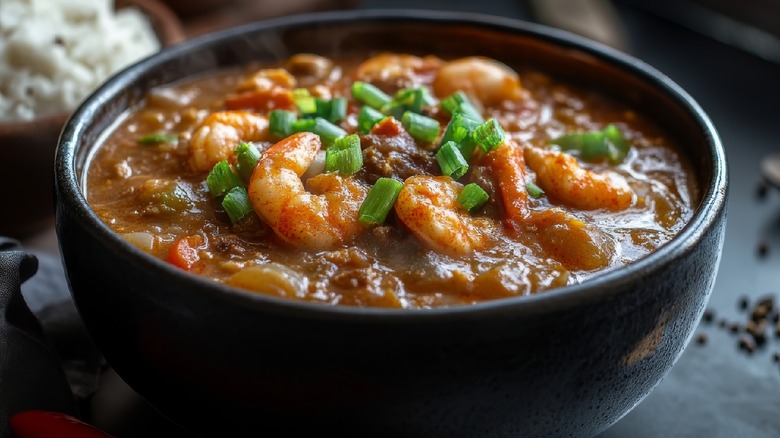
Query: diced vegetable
point(607, 144)
point(246, 160)
point(421, 127)
point(345, 156)
point(221, 179)
point(236, 204)
point(158, 137)
point(305, 102)
point(407, 99)
point(533, 190)
point(184, 253)
point(459, 130)
point(327, 131)
point(379, 201)
point(489, 135)
point(367, 118)
point(370, 95)
point(451, 161)
point(459, 102)
point(164, 196)
point(332, 110)
point(280, 123)
point(473, 196)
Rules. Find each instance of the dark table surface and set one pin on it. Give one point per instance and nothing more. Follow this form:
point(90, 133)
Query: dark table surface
point(715, 389)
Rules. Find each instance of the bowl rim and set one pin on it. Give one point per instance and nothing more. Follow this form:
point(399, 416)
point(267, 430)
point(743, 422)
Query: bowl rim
point(712, 203)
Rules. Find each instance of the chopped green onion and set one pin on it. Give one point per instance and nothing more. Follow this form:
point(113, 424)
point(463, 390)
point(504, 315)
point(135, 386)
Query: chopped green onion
point(407, 99)
point(379, 201)
point(345, 156)
point(221, 179)
point(615, 138)
point(338, 109)
point(280, 122)
point(327, 131)
point(606, 144)
point(303, 125)
point(158, 137)
point(246, 160)
point(459, 102)
point(236, 204)
point(164, 196)
point(421, 127)
point(305, 102)
point(367, 118)
point(472, 196)
point(331, 110)
point(533, 190)
point(370, 95)
point(451, 160)
point(489, 135)
point(459, 130)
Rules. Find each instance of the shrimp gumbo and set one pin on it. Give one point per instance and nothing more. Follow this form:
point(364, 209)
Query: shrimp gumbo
point(392, 180)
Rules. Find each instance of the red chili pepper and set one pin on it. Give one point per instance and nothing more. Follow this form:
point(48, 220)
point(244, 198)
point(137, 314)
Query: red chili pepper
point(48, 424)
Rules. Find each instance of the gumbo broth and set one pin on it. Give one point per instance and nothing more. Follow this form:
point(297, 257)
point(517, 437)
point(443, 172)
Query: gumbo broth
point(561, 183)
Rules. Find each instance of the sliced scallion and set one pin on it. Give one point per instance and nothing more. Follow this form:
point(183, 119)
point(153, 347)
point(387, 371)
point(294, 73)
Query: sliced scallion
point(533, 190)
point(303, 125)
point(489, 135)
point(458, 101)
point(606, 144)
point(246, 160)
point(158, 137)
point(370, 95)
point(367, 118)
point(407, 99)
point(345, 156)
point(338, 109)
point(305, 102)
point(236, 204)
point(221, 179)
point(327, 131)
point(472, 196)
point(280, 122)
point(379, 201)
point(459, 130)
point(451, 161)
point(331, 110)
point(421, 127)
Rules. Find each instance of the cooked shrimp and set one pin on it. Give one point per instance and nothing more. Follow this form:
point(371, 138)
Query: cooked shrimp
point(427, 205)
point(266, 79)
point(572, 242)
point(388, 70)
point(217, 136)
point(325, 218)
point(560, 176)
point(508, 165)
point(486, 81)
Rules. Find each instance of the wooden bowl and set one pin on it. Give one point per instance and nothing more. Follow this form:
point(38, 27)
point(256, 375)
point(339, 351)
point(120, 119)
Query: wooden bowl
point(27, 170)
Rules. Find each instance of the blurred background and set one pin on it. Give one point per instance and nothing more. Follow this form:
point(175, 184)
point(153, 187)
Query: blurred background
point(726, 54)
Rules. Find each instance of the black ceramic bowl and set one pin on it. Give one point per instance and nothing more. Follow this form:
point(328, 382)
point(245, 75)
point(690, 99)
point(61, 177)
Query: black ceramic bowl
point(565, 362)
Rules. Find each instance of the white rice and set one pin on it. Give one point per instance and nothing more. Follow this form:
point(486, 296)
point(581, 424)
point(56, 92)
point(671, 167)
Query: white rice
point(53, 53)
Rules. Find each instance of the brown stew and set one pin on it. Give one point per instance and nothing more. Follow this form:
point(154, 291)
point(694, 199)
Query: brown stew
point(563, 183)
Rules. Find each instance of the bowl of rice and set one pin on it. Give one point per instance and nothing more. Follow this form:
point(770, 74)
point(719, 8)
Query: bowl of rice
point(53, 54)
